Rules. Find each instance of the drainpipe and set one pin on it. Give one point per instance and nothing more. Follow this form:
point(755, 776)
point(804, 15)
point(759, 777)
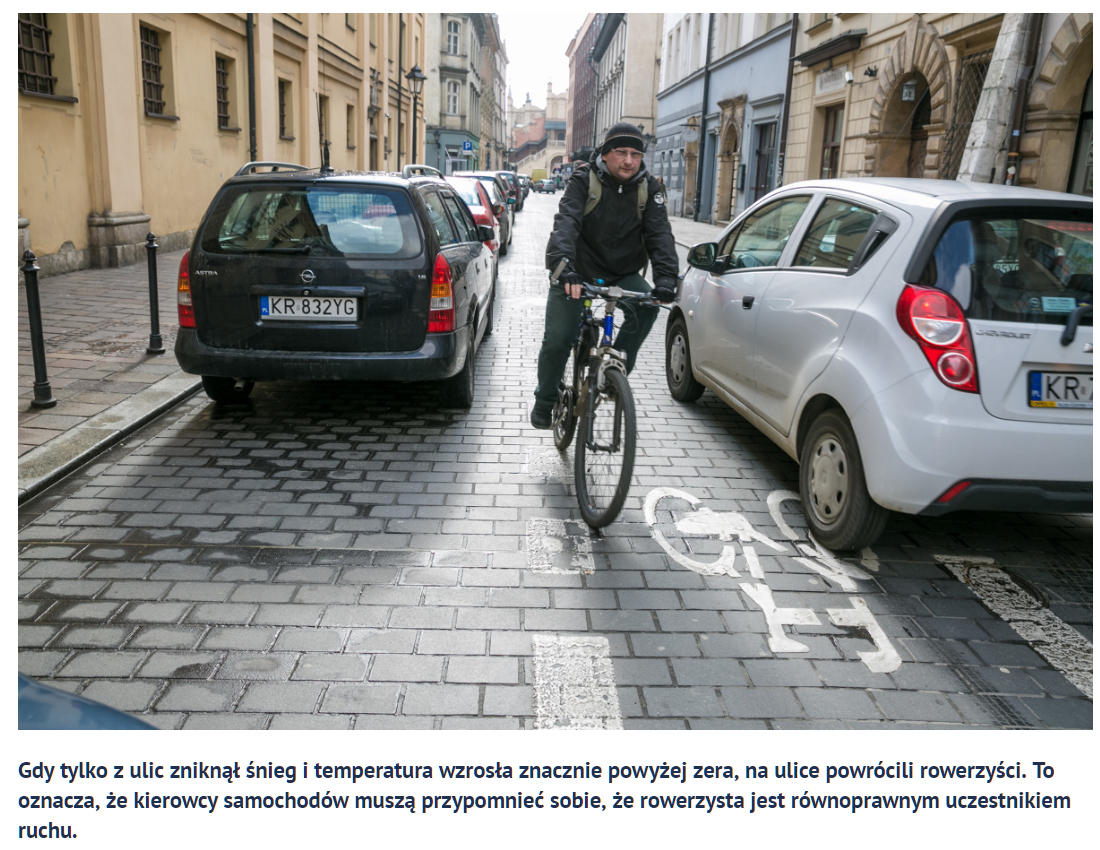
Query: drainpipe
point(252, 155)
point(782, 169)
point(1019, 98)
point(703, 124)
point(400, 75)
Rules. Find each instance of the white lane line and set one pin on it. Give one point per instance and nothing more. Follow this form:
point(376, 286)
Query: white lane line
point(1060, 644)
point(574, 683)
point(558, 546)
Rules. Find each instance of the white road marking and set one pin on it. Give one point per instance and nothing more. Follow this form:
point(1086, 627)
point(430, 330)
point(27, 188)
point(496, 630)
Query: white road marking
point(775, 499)
point(574, 683)
point(553, 548)
point(1060, 644)
point(886, 659)
point(777, 618)
point(822, 562)
point(547, 463)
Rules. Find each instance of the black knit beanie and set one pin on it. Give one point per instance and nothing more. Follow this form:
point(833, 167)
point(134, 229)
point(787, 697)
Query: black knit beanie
point(623, 135)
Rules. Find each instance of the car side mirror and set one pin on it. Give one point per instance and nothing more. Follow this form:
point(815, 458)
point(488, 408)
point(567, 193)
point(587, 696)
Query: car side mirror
point(512, 201)
point(485, 233)
point(498, 209)
point(703, 255)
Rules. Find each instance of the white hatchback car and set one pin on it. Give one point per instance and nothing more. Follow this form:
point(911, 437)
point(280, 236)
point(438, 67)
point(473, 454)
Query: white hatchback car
point(922, 346)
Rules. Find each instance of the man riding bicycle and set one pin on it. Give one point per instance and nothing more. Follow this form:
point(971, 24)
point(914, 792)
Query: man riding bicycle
point(610, 222)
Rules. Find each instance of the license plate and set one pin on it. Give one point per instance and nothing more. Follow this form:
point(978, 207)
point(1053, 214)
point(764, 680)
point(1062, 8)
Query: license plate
point(1060, 389)
point(309, 309)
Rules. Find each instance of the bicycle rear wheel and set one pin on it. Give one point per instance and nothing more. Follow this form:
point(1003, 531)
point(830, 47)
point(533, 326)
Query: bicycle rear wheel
point(604, 459)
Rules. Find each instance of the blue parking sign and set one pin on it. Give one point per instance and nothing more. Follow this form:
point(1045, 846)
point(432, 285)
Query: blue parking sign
point(467, 146)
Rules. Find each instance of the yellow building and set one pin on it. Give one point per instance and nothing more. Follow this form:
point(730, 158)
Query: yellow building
point(128, 123)
point(897, 95)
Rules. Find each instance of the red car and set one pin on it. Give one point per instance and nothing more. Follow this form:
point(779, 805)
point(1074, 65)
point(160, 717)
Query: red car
point(474, 193)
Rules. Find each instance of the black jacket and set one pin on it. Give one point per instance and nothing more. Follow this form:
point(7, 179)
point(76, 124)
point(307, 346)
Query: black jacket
point(611, 242)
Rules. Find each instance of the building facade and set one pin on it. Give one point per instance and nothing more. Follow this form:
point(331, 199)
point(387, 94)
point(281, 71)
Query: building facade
point(727, 154)
point(989, 98)
point(627, 63)
point(538, 135)
point(581, 101)
point(454, 90)
point(129, 123)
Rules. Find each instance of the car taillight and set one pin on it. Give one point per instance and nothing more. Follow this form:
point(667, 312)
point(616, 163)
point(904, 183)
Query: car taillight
point(183, 295)
point(441, 310)
point(937, 322)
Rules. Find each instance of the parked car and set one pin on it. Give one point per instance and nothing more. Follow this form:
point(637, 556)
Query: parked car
point(917, 346)
point(307, 274)
point(548, 185)
point(484, 211)
point(508, 220)
point(525, 184)
point(513, 187)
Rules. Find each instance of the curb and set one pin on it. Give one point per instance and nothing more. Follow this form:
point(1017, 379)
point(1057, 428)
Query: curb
point(45, 465)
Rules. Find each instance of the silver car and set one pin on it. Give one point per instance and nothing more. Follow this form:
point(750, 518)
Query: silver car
point(920, 346)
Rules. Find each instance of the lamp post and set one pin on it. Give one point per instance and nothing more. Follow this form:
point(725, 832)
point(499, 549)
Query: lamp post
point(416, 79)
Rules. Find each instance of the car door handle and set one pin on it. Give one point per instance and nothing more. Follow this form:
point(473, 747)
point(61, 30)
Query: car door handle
point(746, 302)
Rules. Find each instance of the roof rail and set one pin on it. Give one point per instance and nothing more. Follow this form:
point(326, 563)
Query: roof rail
point(250, 167)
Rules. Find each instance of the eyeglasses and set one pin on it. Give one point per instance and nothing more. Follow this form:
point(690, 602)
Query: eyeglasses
point(627, 153)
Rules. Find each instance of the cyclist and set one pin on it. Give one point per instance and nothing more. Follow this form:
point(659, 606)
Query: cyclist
point(624, 229)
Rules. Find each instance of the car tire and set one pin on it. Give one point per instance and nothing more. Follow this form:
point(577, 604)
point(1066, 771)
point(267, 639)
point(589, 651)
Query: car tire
point(504, 245)
point(225, 390)
point(681, 380)
point(839, 511)
point(458, 390)
point(490, 306)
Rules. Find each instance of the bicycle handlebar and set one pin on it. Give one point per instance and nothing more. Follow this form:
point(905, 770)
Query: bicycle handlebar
point(617, 293)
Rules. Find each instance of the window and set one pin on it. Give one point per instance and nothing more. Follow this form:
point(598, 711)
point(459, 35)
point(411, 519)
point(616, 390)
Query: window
point(460, 214)
point(221, 74)
point(351, 127)
point(1035, 266)
point(760, 240)
point(286, 111)
point(830, 145)
point(441, 223)
point(152, 72)
point(765, 161)
point(452, 97)
point(835, 236)
point(452, 37)
point(332, 222)
point(35, 58)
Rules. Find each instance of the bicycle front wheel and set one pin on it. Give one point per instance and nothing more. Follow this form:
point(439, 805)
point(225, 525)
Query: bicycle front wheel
point(604, 459)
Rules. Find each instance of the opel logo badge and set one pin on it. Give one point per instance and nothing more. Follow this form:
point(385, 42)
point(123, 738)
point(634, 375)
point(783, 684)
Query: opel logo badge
point(308, 276)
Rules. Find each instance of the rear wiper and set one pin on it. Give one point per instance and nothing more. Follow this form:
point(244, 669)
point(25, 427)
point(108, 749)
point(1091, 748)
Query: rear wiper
point(1071, 323)
point(296, 249)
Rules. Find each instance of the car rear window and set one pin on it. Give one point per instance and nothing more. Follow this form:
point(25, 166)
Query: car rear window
point(467, 190)
point(1015, 269)
point(320, 221)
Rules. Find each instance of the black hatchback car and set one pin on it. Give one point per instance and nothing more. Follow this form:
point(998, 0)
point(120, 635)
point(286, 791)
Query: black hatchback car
point(307, 274)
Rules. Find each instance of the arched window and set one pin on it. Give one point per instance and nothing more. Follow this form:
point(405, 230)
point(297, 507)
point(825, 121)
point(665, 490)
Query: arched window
point(452, 97)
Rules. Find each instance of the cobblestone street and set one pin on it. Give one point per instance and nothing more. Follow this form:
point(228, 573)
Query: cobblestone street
point(354, 556)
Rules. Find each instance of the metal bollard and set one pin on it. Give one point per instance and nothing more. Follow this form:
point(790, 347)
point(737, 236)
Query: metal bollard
point(43, 394)
point(156, 344)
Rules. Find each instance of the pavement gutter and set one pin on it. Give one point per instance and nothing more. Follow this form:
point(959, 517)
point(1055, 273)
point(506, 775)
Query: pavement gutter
point(46, 464)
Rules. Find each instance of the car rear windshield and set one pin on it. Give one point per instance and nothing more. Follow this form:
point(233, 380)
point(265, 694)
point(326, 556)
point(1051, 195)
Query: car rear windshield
point(1015, 268)
point(320, 221)
point(467, 190)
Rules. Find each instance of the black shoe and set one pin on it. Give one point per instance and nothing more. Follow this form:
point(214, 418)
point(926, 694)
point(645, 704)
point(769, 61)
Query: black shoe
point(541, 416)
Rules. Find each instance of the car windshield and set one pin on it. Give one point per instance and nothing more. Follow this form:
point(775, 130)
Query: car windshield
point(320, 221)
point(1015, 269)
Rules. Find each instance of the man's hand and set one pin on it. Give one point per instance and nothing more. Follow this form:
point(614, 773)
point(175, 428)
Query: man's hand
point(573, 284)
point(664, 289)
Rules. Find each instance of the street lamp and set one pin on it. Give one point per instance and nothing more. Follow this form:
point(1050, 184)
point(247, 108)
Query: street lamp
point(416, 79)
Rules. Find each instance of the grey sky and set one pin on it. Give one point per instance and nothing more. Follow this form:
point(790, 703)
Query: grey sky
point(536, 52)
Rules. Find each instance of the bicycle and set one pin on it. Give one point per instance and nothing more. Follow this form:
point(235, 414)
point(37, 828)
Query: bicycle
point(599, 397)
